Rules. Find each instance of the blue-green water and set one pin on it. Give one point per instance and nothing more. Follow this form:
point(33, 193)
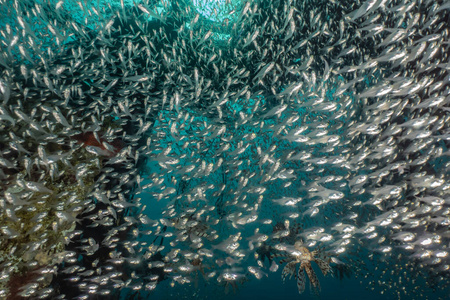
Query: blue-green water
point(163, 147)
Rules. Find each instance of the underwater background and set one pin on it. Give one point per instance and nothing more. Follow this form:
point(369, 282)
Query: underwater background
point(200, 149)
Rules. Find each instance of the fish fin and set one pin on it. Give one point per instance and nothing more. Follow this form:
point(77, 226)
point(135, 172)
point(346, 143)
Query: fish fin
point(314, 281)
point(289, 269)
point(301, 280)
point(323, 265)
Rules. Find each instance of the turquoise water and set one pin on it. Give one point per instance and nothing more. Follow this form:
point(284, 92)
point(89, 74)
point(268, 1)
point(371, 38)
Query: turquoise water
point(206, 139)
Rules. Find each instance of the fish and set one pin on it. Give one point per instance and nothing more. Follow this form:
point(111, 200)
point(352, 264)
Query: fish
point(147, 141)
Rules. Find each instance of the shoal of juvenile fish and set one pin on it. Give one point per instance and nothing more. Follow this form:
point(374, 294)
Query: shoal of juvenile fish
point(141, 150)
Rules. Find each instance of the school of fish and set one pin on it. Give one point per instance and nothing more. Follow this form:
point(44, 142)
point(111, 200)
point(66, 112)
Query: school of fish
point(147, 145)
